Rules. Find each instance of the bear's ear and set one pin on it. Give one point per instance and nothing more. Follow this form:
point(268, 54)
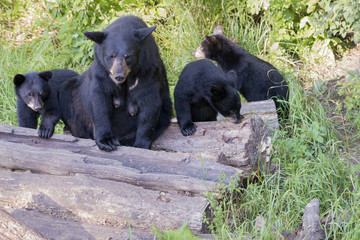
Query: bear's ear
point(231, 76)
point(46, 75)
point(19, 79)
point(219, 30)
point(142, 33)
point(213, 42)
point(217, 92)
point(97, 37)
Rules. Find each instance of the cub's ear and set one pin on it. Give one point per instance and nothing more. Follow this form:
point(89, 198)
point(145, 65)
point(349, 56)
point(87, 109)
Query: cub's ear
point(142, 33)
point(46, 75)
point(217, 92)
point(231, 77)
point(97, 37)
point(19, 79)
point(211, 39)
point(219, 30)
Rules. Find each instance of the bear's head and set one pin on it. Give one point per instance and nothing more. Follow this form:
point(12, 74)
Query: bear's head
point(33, 88)
point(215, 45)
point(119, 52)
point(225, 97)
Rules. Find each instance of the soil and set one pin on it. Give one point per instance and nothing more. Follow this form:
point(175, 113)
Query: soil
point(327, 91)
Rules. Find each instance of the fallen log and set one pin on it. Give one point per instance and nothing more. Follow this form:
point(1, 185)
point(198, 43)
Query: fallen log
point(187, 164)
point(87, 199)
point(71, 179)
point(13, 229)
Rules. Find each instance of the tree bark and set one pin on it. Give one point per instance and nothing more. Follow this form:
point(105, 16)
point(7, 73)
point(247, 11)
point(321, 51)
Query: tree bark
point(13, 229)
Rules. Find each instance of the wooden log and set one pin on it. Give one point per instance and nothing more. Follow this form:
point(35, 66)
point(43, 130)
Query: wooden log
point(190, 165)
point(87, 199)
point(61, 229)
point(71, 179)
point(267, 112)
point(13, 229)
point(221, 141)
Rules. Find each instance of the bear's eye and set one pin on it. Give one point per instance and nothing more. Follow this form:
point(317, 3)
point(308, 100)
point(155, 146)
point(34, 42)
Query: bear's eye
point(31, 94)
point(41, 94)
point(113, 55)
point(127, 59)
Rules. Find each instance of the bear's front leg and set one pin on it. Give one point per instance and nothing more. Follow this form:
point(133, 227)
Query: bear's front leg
point(184, 118)
point(102, 107)
point(50, 116)
point(46, 128)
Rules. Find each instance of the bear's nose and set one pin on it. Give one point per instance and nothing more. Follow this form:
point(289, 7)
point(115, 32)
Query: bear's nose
point(120, 78)
point(37, 108)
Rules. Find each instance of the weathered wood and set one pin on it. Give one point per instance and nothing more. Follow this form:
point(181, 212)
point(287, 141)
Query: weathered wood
point(311, 228)
point(13, 229)
point(71, 180)
point(193, 164)
point(221, 141)
point(87, 199)
point(61, 229)
point(266, 110)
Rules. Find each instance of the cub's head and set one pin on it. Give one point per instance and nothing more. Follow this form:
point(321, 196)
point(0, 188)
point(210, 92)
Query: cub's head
point(225, 97)
point(208, 47)
point(33, 88)
point(213, 45)
point(119, 52)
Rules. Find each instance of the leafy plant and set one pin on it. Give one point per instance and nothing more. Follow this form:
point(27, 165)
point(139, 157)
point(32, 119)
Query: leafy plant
point(350, 89)
point(182, 233)
point(73, 17)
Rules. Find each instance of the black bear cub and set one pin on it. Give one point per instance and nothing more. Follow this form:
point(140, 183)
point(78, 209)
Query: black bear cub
point(256, 79)
point(201, 92)
point(37, 94)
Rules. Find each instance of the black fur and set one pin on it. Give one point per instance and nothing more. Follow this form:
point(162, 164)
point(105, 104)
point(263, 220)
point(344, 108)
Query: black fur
point(256, 79)
point(40, 90)
point(201, 92)
point(127, 67)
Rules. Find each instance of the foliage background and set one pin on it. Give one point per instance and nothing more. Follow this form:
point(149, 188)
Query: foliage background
point(291, 34)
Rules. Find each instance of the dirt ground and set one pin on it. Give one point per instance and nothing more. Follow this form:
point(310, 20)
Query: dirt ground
point(333, 75)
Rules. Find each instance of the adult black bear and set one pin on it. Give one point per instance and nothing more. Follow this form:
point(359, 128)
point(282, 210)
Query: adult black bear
point(37, 94)
point(127, 66)
point(256, 79)
point(201, 92)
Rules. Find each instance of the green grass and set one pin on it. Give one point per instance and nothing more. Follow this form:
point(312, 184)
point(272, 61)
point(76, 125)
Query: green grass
point(26, 58)
point(33, 56)
point(307, 146)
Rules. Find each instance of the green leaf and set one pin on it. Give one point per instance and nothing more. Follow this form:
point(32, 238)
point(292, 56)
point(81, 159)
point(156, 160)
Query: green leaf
point(357, 37)
point(182, 233)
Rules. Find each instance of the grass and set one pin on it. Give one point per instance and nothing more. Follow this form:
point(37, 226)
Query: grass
point(307, 146)
point(26, 58)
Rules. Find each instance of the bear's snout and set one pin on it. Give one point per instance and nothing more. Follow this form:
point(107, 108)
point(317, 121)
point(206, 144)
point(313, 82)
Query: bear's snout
point(119, 71)
point(35, 104)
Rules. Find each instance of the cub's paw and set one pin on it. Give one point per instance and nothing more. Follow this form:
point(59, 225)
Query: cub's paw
point(189, 129)
point(45, 132)
point(108, 143)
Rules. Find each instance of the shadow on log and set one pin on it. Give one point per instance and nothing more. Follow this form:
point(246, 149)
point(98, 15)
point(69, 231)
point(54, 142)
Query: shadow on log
point(71, 180)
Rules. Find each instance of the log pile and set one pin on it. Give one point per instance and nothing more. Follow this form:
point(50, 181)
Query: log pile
point(65, 187)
